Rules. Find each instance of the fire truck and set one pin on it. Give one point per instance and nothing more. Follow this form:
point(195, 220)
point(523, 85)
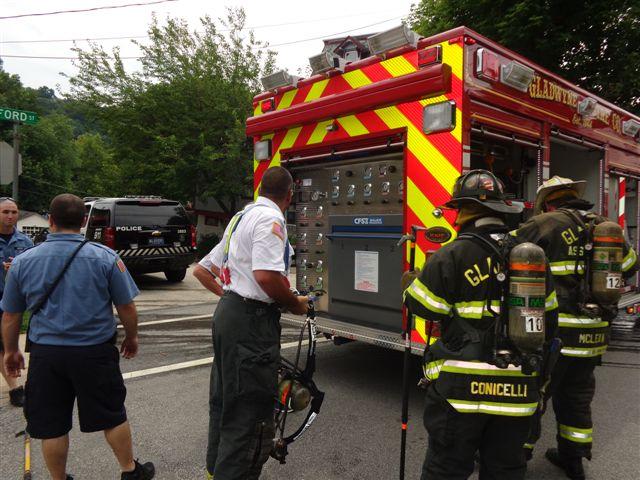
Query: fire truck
point(376, 137)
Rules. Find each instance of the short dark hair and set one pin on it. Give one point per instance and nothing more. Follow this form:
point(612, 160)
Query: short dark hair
point(67, 211)
point(276, 183)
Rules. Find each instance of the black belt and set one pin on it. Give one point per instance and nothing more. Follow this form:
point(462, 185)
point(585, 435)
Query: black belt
point(251, 301)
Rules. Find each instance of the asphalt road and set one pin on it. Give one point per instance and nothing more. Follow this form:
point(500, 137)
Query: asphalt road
point(356, 436)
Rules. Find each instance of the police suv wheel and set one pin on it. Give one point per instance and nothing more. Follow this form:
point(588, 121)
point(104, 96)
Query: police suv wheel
point(175, 275)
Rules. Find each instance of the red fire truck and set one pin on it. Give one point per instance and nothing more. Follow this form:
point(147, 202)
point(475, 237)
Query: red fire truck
point(376, 137)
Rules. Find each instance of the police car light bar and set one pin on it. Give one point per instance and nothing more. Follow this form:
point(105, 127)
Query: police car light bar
point(516, 75)
point(439, 117)
point(326, 61)
point(631, 127)
point(587, 106)
point(390, 39)
point(278, 79)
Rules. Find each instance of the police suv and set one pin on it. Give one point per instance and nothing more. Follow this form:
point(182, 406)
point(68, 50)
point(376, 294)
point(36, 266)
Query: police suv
point(151, 234)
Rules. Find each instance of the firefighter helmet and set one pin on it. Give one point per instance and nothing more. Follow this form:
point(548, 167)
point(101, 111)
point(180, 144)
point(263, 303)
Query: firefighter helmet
point(555, 184)
point(481, 187)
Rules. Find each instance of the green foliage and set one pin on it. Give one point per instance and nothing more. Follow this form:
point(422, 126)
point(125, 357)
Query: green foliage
point(206, 244)
point(176, 127)
point(593, 43)
point(96, 171)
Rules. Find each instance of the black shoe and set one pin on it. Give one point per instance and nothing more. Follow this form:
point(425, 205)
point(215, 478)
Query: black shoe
point(572, 466)
point(69, 477)
point(16, 397)
point(143, 471)
point(528, 454)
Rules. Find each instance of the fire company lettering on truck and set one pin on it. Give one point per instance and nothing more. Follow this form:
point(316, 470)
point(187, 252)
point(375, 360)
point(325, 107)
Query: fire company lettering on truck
point(375, 146)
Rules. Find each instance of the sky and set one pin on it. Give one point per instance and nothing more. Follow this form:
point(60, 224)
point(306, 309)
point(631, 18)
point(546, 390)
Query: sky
point(274, 21)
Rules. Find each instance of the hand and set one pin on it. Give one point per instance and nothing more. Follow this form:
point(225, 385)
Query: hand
point(302, 305)
point(408, 277)
point(129, 347)
point(13, 363)
point(7, 264)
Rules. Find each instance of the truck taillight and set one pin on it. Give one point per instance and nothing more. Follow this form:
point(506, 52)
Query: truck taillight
point(110, 237)
point(194, 237)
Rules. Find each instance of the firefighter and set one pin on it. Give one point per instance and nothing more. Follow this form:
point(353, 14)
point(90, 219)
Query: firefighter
point(477, 399)
point(560, 225)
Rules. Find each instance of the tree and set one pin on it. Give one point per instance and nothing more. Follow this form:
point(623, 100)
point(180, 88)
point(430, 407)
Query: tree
point(96, 173)
point(593, 43)
point(176, 126)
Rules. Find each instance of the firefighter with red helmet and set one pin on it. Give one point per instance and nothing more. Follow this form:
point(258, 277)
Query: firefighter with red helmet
point(484, 372)
point(588, 257)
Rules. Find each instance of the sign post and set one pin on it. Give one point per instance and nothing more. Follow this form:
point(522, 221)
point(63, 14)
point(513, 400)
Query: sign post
point(17, 117)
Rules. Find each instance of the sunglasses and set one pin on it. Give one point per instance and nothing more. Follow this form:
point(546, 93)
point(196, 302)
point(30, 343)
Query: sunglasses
point(4, 199)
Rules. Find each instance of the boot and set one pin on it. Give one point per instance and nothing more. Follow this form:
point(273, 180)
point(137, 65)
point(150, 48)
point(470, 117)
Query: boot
point(142, 471)
point(572, 466)
point(16, 397)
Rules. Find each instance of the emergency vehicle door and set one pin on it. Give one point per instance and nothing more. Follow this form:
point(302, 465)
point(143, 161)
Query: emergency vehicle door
point(363, 249)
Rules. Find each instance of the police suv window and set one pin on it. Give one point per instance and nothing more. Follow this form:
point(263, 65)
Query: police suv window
point(157, 214)
point(100, 217)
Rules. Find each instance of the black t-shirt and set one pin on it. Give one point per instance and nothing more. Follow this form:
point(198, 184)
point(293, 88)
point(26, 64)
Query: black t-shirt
point(6, 236)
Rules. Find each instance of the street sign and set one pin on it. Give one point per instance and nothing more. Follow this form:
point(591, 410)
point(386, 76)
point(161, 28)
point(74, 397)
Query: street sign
point(21, 116)
point(6, 163)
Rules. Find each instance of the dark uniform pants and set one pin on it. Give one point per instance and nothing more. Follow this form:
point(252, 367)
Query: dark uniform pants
point(244, 377)
point(573, 386)
point(454, 439)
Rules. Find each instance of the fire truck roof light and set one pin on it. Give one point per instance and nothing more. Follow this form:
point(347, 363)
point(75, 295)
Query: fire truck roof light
point(487, 65)
point(587, 106)
point(516, 75)
point(325, 61)
point(278, 79)
point(439, 117)
point(391, 39)
point(262, 150)
point(429, 56)
point(631, 127)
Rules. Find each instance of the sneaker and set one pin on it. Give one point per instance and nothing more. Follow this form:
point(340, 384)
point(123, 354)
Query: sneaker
point(16, 397)
point(143, 471)
point(69, 477)
point(572, 466)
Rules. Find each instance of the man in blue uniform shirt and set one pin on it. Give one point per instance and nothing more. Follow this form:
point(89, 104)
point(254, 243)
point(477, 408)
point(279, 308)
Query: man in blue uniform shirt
point(73, 355)
point(12, 243)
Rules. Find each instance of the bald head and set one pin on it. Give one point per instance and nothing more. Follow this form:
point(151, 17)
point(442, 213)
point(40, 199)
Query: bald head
point(276, 184)
point(67, 211)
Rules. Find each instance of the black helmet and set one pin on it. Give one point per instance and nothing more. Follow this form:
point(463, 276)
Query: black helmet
point(481, 187)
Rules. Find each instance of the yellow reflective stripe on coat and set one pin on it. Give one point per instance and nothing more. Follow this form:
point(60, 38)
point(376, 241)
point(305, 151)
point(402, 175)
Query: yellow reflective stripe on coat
point(494, 408)
point(566, 267)
point(419, 291)
point(431, 370)
point(476, 309)
point(573, 434)
point(551, 303)
point(583, 352)
point(629, 260)
point(576, 321)
point(482, 368)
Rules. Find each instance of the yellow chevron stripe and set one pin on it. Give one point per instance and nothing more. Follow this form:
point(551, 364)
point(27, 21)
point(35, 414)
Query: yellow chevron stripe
point(319, 132)
point(421, 147)
point(356, 78)
point(287, 98)
point(288, 141)
point(398, 66)
point(352, 125)
point(457, 131)
point(257, 111)
point(423, 208)
point(316, 90)
point(452, 55)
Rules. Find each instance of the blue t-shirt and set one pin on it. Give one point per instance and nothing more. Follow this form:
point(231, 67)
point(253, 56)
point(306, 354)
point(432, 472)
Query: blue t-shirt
point(79, 312)
point(18, 243)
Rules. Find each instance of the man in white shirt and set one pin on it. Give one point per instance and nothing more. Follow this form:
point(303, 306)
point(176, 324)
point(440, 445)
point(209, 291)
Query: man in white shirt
point(252, 262)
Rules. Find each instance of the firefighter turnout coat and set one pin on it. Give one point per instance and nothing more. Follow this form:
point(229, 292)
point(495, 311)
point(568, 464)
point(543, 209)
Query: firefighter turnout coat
point(458, 288)
point(562, 237)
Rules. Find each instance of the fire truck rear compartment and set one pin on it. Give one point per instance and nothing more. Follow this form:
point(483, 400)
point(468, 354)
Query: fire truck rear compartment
point(348, 217)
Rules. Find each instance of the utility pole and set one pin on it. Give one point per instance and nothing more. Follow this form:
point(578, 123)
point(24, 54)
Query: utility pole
point(16, 160)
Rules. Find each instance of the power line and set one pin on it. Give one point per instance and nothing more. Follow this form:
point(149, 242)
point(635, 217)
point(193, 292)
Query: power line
point(79, 10)
point(135, 37)
point(260, 48)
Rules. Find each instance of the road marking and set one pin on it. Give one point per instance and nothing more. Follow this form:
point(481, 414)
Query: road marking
point(172, 320)
point(194, 363)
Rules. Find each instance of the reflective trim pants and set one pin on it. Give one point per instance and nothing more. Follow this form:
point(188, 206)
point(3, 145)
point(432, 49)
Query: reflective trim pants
point(244, 376)
point(455, 437)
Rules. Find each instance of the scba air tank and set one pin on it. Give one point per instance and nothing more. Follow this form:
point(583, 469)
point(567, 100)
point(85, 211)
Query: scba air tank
point(527, 287)
point(606, 264)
